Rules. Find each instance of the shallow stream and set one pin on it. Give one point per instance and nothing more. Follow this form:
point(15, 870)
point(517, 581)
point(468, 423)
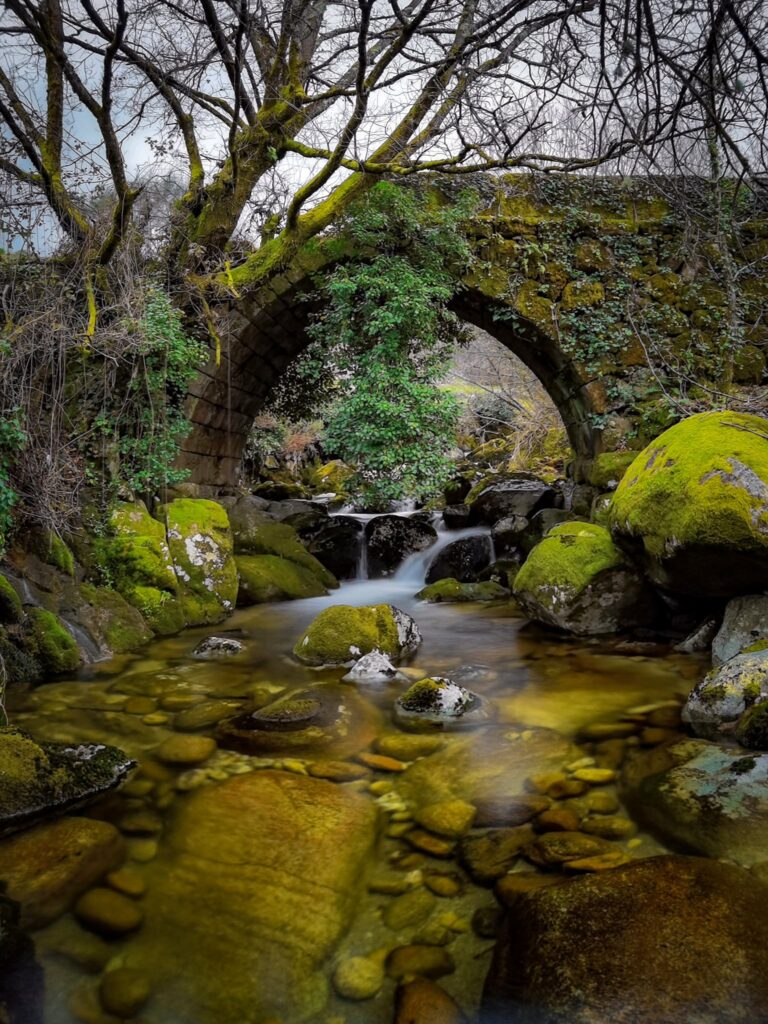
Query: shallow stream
point(137, 701)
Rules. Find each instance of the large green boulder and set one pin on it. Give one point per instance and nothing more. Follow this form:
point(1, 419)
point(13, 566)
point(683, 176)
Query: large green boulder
point(271, 578)
point(139, 564)
point(256, 533)
point(577, 580)
point(693, 506)
point(342, 634)
point(114, 623)
point(200, 542)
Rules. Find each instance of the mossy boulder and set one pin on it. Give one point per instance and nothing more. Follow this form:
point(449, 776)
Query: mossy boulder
point(112, 620)
point(138, 561)
point(11, 610)
point(450, 591)
point(331, 477)
point(200, 542)
point(43, 779)
point(716, 703)
point(342, 634)
point(52, 550)
point(608, 468)
point(271, 578)
point(258, 534)
point(693, 506)
point(577, 580)
point(51, 642)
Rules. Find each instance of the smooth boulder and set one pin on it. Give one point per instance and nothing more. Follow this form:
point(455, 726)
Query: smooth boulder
point(660, 941)
point(578, 581)
point(270, 865)
point(693, 506)
point(703, 796)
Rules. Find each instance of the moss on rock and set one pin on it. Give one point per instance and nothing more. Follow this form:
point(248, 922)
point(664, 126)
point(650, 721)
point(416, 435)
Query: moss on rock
point(608, 468)
point(576, 579)
point(282, 541)
point(11, 610)
point(331, 476)
point(752, 729)
point(451, 591)
point(51, 642)
point(342, 634)
point(694, 505)
point(40, 779)
point(49, 547)
point(121, 625)
point(200, 542)
point(271, 578)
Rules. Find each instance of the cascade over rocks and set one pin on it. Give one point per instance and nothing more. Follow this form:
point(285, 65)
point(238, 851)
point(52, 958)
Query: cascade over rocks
point(462, 560)
point(520, 494)
point(693, 506)
point(338, 546)
point(660, 940)
point(578, 581)
point(391, 539)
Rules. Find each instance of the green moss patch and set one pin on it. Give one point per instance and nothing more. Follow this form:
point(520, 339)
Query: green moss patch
point(608, 468)
point(200, 542)
point(121, 625)
point(450, 591)
point(10, 603)
point(52, 642)
point(271, 578)
point(342, 634)
point(281, 540)
point(566, 561)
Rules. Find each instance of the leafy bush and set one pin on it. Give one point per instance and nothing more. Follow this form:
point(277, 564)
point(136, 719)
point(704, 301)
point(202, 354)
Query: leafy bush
point(382, 340)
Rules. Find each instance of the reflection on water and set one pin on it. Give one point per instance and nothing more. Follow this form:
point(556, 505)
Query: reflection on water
point(252, 894)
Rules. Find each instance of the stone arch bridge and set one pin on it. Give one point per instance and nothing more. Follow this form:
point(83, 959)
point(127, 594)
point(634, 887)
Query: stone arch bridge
point(628, 312)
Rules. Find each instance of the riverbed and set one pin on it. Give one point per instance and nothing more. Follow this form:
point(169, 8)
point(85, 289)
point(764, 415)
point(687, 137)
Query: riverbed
point(531, 680)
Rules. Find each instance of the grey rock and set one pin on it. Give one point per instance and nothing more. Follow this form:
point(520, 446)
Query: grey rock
point(716, 703)
point(462, 560)
point(218, 647)
point(391, 539)
point(521, 494)
point(745, 622)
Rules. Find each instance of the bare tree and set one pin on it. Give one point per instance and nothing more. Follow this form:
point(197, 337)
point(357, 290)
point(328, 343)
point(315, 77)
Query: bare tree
point(285, 110)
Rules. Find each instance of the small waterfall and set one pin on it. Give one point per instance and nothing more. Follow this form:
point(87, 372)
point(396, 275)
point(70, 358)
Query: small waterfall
point(362, 562)
point(414, 569)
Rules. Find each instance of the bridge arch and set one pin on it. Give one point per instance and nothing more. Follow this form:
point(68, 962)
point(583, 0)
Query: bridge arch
point(266, 339)
point(592, 283)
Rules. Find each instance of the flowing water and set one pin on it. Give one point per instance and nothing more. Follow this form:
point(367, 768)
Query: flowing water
point(200, 943)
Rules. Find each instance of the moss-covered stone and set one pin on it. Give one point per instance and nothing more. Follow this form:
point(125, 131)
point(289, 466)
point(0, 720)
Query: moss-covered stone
point(608, 468)
point(450, 591)
point(10, 603)
point(271, 578)
point(576, 579)
point(281, 540)
point(52, 643)
point(200, 542)
point(342, 634)
point(582, 294)
point(119, 623)
point(331, 477)
point(725, 693)
point(40, 779)
point(49, 546)
point(694, 505)
point(752, 729)
point(138, 562)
